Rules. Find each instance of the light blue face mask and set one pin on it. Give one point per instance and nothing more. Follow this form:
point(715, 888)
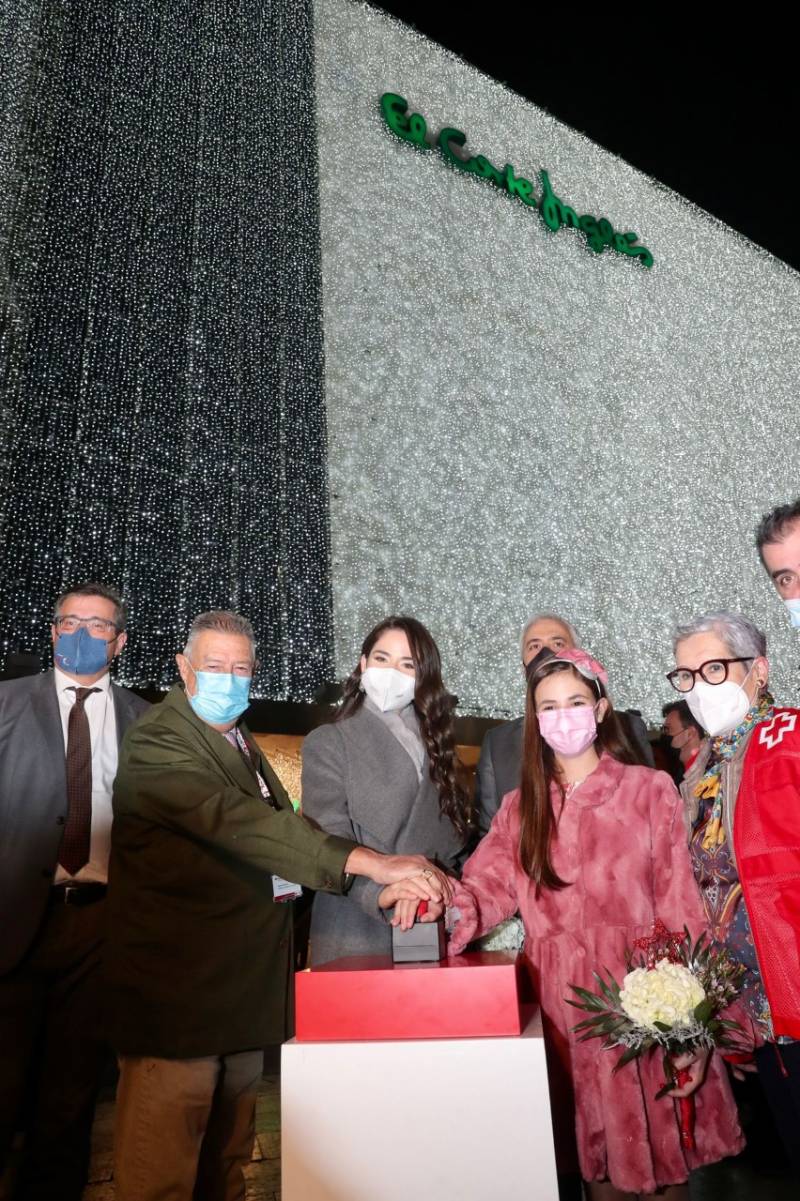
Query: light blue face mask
point(221, 697)
point(793, 606)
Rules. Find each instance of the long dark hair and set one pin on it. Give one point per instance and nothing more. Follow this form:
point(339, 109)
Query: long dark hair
point(538, 821)
point(435, 708)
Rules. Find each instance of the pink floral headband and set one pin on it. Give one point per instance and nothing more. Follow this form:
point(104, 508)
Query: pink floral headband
point(584, 663)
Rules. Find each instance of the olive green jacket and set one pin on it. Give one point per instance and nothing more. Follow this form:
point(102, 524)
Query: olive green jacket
point(199, 955)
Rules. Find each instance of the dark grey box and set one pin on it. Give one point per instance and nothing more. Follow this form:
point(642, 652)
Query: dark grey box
point(425, 942)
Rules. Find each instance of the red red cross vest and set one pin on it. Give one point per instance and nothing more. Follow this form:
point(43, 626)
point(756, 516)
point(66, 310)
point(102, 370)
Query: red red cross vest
point(766, 839)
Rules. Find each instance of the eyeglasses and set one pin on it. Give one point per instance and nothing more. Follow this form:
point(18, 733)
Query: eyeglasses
point(713, 671)
point(98, 627)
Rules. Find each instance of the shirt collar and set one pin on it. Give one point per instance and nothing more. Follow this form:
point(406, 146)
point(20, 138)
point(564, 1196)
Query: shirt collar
point(64, 682)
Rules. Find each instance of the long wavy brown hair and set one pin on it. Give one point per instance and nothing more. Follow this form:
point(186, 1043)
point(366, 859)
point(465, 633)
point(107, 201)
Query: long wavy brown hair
point(538, 821)
point(435, 708)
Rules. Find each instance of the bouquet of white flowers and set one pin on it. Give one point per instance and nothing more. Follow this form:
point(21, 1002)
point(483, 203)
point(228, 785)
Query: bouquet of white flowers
point(672, 999)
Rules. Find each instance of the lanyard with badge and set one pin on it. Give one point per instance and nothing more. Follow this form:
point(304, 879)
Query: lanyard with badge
point(282, 890)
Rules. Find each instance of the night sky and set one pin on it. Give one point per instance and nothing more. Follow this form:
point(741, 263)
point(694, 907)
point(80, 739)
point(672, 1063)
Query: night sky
point(719, 126)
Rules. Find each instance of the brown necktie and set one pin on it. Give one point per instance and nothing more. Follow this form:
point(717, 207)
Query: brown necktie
point(74, 851)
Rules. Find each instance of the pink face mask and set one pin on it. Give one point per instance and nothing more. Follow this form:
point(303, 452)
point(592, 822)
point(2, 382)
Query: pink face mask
point(568, 731)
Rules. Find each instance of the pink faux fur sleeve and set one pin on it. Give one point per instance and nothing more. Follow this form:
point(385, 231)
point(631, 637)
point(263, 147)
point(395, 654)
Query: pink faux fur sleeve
point(486, 893)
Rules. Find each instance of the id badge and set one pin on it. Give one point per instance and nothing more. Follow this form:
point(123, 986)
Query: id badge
point(284, 890)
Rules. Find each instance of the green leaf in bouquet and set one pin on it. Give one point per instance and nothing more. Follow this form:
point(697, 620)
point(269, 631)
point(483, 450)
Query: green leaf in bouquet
point(598, 1006)
point(599, 1024)
point(586, 1023)
point(663, 1027)
point(593, 1029)
point(626, 1057)
point(703, 1010)
point(619, 1021)
point(610, 1026)
point(695, 949)
point(607, 989)
point(590, 999)
point(608, 1038)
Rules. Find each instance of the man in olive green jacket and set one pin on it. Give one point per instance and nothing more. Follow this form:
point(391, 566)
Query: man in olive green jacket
point(204, 844)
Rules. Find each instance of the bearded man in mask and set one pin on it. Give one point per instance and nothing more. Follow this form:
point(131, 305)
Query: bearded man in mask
point(742, 797)
point(59, 737)
point(207, 854)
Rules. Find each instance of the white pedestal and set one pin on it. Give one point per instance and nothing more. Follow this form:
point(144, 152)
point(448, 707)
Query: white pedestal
point(463, 1119)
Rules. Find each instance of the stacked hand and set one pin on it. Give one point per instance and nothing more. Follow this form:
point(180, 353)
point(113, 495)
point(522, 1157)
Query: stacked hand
point(405, 896)
point(409, 879)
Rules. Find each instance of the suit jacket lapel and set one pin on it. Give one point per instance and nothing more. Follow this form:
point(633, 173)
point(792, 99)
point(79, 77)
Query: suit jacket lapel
point(265, 768)
point(230, 759)
point(122, 710)
point(233, 761)
point(44, 703)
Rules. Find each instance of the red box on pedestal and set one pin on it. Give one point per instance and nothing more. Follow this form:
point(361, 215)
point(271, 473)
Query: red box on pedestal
point(368, 997)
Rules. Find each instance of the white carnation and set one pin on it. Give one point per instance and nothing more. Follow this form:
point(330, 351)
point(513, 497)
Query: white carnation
point(667, 993)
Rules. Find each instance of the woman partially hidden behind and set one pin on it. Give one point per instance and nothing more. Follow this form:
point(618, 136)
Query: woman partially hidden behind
point(384, 772)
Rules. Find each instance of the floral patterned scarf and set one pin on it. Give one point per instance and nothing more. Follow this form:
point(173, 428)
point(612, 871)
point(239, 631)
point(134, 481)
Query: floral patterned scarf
point(709, 786)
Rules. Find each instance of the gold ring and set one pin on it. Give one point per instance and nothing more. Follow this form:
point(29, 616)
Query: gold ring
point(427, 873)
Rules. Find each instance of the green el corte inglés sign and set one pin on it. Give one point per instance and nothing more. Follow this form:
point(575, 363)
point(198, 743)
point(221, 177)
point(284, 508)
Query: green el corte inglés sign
point(598, 231)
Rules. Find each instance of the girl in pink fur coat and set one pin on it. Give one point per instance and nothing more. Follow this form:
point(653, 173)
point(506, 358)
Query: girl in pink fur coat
point(591, 850)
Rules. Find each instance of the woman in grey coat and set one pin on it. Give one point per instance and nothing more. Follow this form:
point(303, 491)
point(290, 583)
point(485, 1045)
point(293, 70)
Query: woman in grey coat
point(385, 773)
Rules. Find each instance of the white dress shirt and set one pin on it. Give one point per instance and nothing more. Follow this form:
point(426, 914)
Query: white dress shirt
point(99, 709)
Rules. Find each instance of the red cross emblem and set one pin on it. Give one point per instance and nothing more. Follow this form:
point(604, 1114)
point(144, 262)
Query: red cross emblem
point(782, 723)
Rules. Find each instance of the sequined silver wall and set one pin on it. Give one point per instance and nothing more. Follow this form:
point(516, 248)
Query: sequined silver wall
point(516, 423)
point(163, 424)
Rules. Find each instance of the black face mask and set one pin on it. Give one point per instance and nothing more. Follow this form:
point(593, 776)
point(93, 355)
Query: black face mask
point(680, 740)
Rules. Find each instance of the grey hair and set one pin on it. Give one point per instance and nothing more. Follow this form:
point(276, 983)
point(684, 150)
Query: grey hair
point(224, 622)
point(743, 639)
point(573, 633)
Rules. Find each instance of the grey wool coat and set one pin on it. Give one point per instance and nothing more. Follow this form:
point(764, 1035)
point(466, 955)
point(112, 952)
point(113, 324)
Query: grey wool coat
point(359, 782)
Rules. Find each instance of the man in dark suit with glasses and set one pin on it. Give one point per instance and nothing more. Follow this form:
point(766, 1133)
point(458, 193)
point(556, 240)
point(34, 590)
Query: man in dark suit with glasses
point(59, 735)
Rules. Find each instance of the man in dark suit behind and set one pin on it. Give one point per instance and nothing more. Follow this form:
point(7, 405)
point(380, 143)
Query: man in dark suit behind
point(500, 762)
point(59, 734)
point(206, 846)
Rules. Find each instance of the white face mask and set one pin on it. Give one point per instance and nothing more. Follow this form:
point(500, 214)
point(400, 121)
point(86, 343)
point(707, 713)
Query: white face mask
point(388, 688)
point(793, 606)
point(718, 707)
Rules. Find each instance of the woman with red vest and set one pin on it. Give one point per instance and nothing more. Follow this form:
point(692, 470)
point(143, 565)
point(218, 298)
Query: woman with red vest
point(742, 797)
